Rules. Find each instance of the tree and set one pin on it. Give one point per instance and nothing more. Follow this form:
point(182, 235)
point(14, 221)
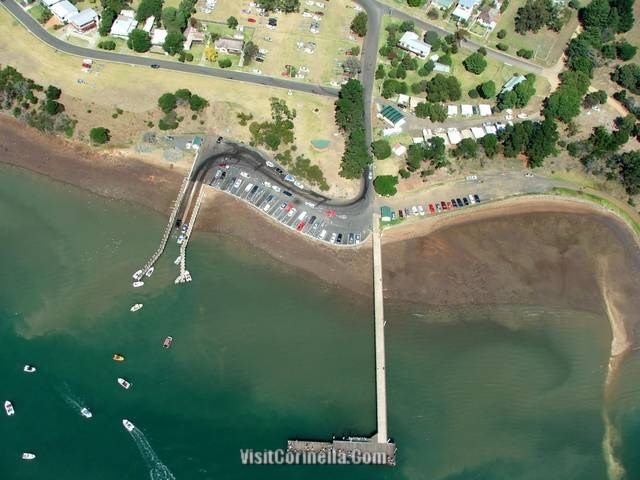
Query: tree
point(286, 6)
point(52, 93)
point(594, 98)
point(149, 8)
point(224, 62)
point(183, 96)
point(52, 107)
point(467, 148)
point(167, 102)
point(563, 104)
point(487, 89)
point(380, 72)
point(99, 135)
point(533, 16)
point(381, 149)
point(139, 41)
point(501, 34)
point(475, 63)
point(489, 144)
point(359, 24)
point(108, 16)
point(351, 66)
point(349, 115)
point(628, 76)
point(625, 51)
point(385, 185)
point(251, 50)
point(442, 88)
point(173, 19)
point(232, 22)
point(173, 43)
point(427, 68)
point(502, 47)
point(628, 166)
point(435, 111)
point(433, 39)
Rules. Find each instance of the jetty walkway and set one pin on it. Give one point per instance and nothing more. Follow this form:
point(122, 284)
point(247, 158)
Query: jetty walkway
point(380, 442)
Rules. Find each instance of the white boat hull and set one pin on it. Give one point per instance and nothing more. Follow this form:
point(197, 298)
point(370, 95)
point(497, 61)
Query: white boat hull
point(128, 425)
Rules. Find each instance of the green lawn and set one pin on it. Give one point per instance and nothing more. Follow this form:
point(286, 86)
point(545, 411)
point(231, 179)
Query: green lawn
point(37, 12)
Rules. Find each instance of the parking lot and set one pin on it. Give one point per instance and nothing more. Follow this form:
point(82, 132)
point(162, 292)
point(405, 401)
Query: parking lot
point(274, 192)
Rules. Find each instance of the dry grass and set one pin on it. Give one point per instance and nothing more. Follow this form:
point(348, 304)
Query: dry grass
point(332, 41)
point(92, 99)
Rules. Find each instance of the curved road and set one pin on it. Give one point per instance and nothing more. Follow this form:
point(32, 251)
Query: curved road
point(36, 29)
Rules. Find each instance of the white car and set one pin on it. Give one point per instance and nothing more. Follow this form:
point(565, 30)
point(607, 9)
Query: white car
point(528, 174)
point(471, 199)
point(248, 187)
point(421, 210)
point(244, 174)
point(266, 207)
point(414, 210)
point(323, 234)
point(267, 184)
point(292, 212)
point(269, 164)
point(276, 188)
point(237, 184)
point(471, 178)
point(310, 204)
point(334, 235)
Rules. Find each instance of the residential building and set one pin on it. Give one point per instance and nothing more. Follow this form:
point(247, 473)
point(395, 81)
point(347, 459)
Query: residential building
point(192, 35)
point(385, 214)
point(392, 116)
point(123, 25)
point(63, 10)
point(85, 20)
point(411, 42)
point(489, 19)
point(452, 110)
point(454, 136)
point(49, 3)
point(485, 110)
point(512, 82)
point(229, 45)
point(478, 132)
point(443, 4)
point(159, 36)
point(466, 110)
point(148, 24)
point(464, 9)
point(399, 150)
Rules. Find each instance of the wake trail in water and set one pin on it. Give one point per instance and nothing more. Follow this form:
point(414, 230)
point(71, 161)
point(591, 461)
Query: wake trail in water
point(157, 469)
point(611, 439)
point(69, 398)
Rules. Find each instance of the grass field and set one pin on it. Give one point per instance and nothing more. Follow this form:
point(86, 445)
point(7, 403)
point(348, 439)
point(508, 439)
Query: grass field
point(37, 12)
point(547, 45)
point(91, 98)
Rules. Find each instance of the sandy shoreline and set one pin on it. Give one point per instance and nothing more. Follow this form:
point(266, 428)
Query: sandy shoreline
point(502, 253)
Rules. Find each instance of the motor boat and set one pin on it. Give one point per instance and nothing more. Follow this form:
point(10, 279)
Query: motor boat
point(137, 275)
point(8, 407)
point(86, 413)
point(128, 425)
point(137, 284)
point(150, 272)
point(136, 307)
point(177, 260)
point(28, 456)
point(29, 369)
point(167, 342)
point(118, 358)
point(123, 383)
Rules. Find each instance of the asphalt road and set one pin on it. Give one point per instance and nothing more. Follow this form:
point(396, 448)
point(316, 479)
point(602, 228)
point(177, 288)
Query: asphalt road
point(36, 29)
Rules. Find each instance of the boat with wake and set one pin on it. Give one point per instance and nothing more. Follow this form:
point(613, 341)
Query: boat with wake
point(124, 384)
point(28, 456)
point(86, 413)
point(177, 260)
point(29, 369)
point(8, 407)
point(128, 425)
point(150, 272)
point(118, 358)
point(136, 307)
point(138, 275)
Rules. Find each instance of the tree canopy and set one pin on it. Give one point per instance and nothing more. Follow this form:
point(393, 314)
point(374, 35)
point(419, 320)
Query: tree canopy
point(385, 185)
point(149, 8)
point(139, 40)
point(359, 24)
point(475, 63)
point(99, 135)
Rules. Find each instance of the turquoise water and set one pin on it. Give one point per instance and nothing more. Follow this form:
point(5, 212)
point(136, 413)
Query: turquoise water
point(262, 354)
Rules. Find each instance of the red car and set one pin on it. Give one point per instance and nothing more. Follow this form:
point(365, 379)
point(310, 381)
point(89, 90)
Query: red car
point(251, 20)
point(432, 209)
point(330, 213)
point(300, 226)
point(443, 205)
point(449, 206)
point(288, 207)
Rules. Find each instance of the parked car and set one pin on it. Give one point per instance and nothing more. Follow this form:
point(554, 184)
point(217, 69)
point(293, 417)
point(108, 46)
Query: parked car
point(334, 235)
point(414, 210)
point(244, 174)
point(438, 207)
point(292, 212)
point(466, 201)
point(459, 202)
point(339, 238)
point(449, 206)
point(421, 210)
point(155, 65)
point(471, 199)
point(443, 205)
point(323, 234)
point(475, 195)
point(219, 140)
point(352, 239)
point(358, 238)
point(276, 188)
point(287, 193)
point(400, 213)
point(454, 203)
point(300, 226)
point(269, 164)
point(432, 209)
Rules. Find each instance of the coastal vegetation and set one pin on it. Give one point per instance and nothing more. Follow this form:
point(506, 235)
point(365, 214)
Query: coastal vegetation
point(349, 115)
point(31, 103)
point(170, 102)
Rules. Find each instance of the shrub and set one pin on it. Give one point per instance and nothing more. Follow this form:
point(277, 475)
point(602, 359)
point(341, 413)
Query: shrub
point(525, 53)
point(502, 46)
point(224, 62)
point(475, 63)
point(167, 102)
point(107, 45)
point(501, 34)
point(99, 135)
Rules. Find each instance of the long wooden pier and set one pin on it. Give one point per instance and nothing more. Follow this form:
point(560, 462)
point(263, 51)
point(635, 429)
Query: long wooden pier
point(380, 442)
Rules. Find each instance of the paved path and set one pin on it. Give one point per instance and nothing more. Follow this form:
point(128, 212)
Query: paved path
point(36, 29)
point(381, 381)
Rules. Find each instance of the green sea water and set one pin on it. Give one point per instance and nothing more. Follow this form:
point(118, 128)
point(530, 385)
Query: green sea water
point(263, 354)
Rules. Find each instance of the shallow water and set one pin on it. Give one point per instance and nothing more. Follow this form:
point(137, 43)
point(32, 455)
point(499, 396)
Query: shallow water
point(264, 354)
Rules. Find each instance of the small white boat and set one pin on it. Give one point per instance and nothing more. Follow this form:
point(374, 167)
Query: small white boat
point(86, 413)
point(29, 369)
point(150, 272)
point(128, 425)
point(137, 275)
point(136, 307)
point(137, 284)
point(28, 456)
point(177, 260)
point(8, 407)
point(181, 239)
point(123, 383)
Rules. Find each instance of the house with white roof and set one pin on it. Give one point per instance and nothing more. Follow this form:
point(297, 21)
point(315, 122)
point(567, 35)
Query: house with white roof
point(84, 20)
point(466, 110)
point(399, 150)
point(159, 36)
point(411, 42)
point(452, 110)
point(123, 25)
point(148, 24)
point(477, 132)
point(63, 10)
point(464, 9)
point(454, 136)
point(49, 3)
point(485, 110)
point(512, 82)
point(490, 129)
